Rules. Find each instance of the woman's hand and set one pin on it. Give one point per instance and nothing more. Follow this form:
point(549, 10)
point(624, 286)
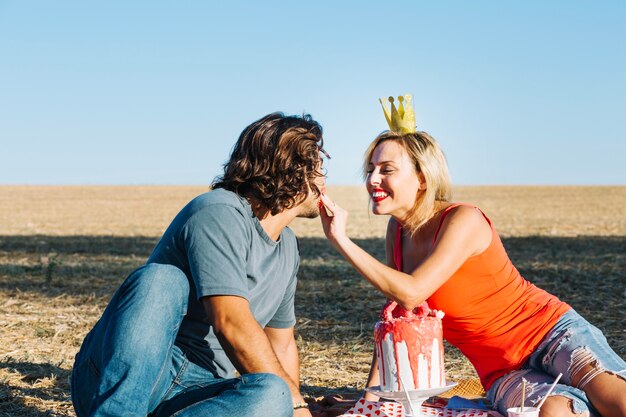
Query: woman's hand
point(368, 396)
point(334, 223)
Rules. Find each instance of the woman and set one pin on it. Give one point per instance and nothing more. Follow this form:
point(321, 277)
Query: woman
point(451, 256)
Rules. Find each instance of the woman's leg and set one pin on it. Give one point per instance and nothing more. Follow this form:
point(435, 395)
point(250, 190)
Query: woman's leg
point(579, 351)
point(606, 390)
point(565, 400)
point(559, 406)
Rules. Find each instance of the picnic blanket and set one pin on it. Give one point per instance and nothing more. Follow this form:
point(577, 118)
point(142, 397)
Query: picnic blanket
point(365, 408)
point(464, 400)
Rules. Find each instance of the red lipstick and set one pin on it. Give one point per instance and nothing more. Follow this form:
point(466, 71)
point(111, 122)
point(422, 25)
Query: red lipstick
point(378, 195)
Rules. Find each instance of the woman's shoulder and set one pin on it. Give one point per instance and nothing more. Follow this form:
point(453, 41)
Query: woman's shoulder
point(466, 215)
point(464, 212)
point(462, 219)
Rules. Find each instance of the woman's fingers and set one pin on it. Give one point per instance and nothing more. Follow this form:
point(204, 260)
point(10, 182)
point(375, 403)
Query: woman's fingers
point(328, 205)
point(334, 224)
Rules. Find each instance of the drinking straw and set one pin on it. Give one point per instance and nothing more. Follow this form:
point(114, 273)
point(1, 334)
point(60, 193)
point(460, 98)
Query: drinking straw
point(407, 395)
point(550, 390)
point(523, 393)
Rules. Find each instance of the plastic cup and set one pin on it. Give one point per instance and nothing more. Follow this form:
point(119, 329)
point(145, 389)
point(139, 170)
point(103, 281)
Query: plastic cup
point(528, 412)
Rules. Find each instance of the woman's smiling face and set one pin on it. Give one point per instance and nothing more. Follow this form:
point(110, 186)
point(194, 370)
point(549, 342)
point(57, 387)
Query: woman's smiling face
point(392, 180)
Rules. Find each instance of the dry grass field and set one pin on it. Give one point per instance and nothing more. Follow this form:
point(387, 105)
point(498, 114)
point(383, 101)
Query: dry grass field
point(64, 250)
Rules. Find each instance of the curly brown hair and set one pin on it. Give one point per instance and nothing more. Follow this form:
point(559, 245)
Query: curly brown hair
point(275, 161)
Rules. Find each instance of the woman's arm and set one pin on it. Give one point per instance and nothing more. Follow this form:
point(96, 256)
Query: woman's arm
point(464, 233)
point(373, 379)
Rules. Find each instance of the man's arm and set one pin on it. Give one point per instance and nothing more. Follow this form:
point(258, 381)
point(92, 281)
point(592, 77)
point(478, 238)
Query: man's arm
point(284, 345)
point(244, 341)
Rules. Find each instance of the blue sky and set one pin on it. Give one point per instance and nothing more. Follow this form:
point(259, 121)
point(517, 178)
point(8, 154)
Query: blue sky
point(154, 92)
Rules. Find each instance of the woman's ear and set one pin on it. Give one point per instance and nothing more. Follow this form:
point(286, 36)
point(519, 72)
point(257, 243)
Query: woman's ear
point(422, 180)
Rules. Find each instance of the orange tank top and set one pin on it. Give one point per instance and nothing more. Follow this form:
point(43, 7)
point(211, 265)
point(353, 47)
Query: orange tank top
point(492, 314)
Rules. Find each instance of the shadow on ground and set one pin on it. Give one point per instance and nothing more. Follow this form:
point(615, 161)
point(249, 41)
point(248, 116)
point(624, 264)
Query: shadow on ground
point(44, 382)
point(588, 272)
point(334, 305)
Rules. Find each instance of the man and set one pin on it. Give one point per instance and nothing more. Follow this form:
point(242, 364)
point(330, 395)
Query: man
point(216, 295)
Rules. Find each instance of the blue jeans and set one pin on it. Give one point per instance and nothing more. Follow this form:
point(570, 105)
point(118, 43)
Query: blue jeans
point(129, 365)
point(569, 346)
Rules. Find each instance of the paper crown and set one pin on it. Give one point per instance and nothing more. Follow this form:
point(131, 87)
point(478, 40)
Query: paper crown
point(401, 119)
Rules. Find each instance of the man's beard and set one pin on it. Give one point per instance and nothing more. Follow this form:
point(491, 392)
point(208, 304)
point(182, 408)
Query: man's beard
point(310, 209)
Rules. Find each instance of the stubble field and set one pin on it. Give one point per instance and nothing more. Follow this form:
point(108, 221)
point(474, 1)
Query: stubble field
point(64, 250)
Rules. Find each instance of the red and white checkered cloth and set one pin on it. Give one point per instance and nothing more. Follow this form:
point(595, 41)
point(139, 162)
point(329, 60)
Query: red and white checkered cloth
point(365, 408)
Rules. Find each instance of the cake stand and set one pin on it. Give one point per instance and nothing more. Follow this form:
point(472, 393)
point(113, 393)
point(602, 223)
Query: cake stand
point(411, 399)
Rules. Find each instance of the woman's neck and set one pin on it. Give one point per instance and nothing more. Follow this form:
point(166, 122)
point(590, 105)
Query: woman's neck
point(438, 207)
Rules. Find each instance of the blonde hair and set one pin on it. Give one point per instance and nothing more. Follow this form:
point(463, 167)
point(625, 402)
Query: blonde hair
point(430, 161)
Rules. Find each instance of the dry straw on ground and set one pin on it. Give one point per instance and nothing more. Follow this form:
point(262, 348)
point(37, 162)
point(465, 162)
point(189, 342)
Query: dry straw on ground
point(64, 250)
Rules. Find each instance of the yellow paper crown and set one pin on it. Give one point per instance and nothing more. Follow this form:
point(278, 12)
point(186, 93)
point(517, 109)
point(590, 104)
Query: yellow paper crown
point(402, 119)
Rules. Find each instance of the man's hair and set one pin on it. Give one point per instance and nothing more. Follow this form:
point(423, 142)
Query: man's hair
point(430, 161)
point(275, 161)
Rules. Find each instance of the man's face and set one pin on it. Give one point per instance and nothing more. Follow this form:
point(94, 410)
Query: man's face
point(309, 207)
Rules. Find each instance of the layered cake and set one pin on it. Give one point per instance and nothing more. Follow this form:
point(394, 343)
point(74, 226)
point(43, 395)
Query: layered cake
point(409, 346)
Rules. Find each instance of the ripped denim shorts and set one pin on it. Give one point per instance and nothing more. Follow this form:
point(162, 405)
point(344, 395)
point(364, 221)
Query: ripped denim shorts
point(571, 344)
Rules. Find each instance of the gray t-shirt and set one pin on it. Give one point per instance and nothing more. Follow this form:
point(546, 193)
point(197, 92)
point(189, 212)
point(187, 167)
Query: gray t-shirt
point(222, 248)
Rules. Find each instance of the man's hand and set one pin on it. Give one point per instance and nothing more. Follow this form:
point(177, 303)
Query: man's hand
point(302, 412)
point(333, 405)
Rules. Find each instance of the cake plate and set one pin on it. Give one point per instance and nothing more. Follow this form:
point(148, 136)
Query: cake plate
point(411, 399)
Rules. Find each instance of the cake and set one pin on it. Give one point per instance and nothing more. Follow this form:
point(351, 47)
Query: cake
point(409, 347)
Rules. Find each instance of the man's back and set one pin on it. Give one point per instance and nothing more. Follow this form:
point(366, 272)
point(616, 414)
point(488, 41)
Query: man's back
point(220, 245)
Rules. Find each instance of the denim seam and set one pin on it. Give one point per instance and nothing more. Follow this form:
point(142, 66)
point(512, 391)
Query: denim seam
point(176, 381)
point(93, 366)
point(163, 366)
point(177, 413)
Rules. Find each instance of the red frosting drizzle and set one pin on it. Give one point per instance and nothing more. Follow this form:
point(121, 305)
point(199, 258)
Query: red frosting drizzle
point(393, 310)
point(417, 328)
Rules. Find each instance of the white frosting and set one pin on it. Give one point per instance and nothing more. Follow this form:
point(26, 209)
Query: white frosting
point(406, 374)
point(389, 372)
point(435, 375)
point(394, 358)
point(422, 375)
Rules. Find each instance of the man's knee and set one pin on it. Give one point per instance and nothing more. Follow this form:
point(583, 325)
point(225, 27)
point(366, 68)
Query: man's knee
point(144, 313)
point(272, 391)
point(160, 283)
